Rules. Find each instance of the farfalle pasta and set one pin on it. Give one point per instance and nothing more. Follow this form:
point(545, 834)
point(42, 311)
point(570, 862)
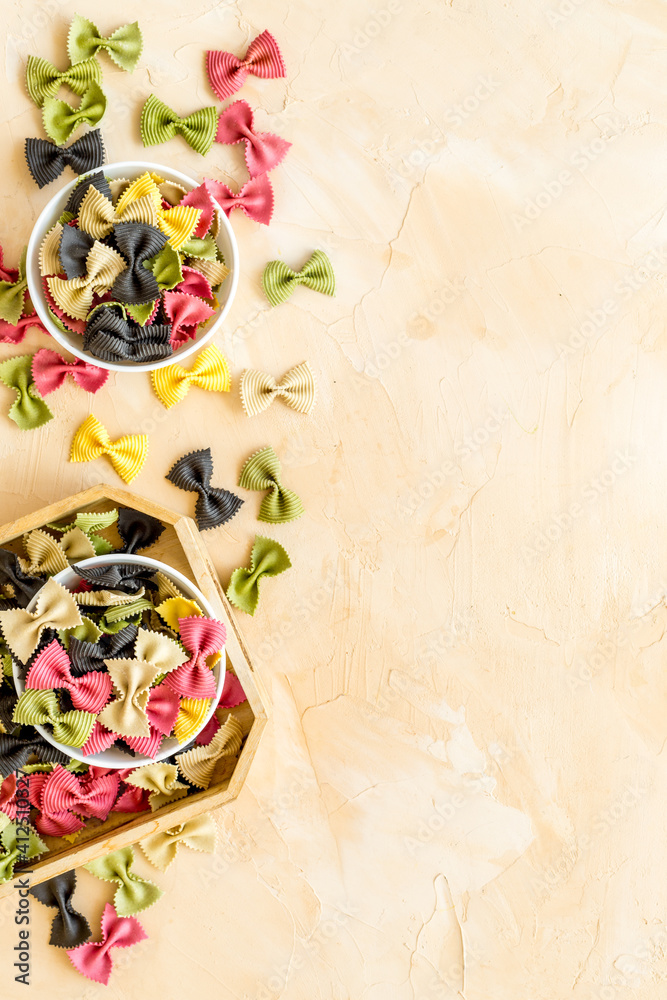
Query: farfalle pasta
point(135, 275)
point(214, 506)
point(123, 659)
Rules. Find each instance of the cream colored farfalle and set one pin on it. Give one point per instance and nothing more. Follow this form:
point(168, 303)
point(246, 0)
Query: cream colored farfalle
point(160, 780)
point(49, 258)
point(107, 598)
point(164, 653)
point(132, 680)
point(97, 216)
point(198, 764)
point(197, 833)
point(48, 555)
point(214, 270)
point(76, 545)
point(166, 587)
point(75, 295)
point(56, 608)
point(45, 556)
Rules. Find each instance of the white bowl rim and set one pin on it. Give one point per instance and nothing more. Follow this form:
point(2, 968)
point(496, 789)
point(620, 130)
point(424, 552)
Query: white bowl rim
point(168, 748)
point(36, 292)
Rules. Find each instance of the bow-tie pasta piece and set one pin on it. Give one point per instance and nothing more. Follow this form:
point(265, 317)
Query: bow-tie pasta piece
point(13, 291)
point(93, 959)
point(98, 217)
point(198, 834)
point(198, 764)
point(28, 411)
point(36, 707)
point(161, 781)
point(126, 715)
point(61, 119)
point(12, 853)
point(177, 223)
point(268, 559)
point(297, 389)
point(127, 454)
point(16, 751)
point(52, 669)
point(123, 45)
point(279, 280)
point(129, 578)
point(203, 638)
point(255, 198)
point(44, 80)
point(49, 371)
point(46, 557)
point(134, 893)
point(137, 529)
point(209, 372)
point(137, 243)
point(227, 73)
point(160, 124)
point(22, 630)
point(262, 472)
point(186, 313)
point(69, 928)
point(75, 296)
point(263, 150)
point(214, 506)
point(46, 161)
point(110, 336)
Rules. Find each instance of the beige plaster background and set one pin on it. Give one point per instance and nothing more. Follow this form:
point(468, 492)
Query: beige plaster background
point(461, 790)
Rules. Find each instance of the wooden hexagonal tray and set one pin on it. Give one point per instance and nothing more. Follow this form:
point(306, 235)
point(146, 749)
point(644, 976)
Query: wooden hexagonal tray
point(181, 547)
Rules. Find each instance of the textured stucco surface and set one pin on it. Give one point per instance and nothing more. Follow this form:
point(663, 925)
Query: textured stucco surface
point(460, 791)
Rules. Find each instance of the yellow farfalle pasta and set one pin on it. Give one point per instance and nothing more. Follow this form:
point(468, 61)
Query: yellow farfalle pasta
point(191, 715)
point(97, 216)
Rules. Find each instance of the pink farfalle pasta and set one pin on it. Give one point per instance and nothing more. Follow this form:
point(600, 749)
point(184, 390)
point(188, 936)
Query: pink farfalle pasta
point(64, 799)
point(186, 313)
point(93, 959)
point(263, 150)
point(49, 371)
point(52, 669)
point(202, 637)
point(227, 73)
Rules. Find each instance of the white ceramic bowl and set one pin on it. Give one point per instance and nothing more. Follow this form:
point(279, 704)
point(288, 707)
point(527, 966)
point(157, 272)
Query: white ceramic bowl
point(72, 341)
point(114, 756)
